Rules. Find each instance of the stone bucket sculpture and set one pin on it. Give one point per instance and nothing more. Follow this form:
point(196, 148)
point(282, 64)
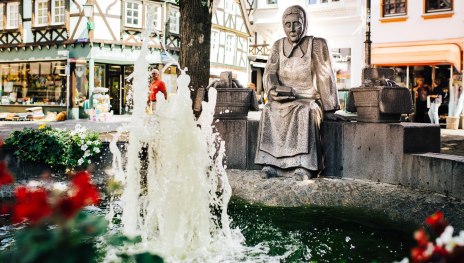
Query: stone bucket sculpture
point(379, 99)
point(233, 100)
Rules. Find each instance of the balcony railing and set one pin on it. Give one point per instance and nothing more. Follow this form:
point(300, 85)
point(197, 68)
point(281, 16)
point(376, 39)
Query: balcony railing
point(259, 49)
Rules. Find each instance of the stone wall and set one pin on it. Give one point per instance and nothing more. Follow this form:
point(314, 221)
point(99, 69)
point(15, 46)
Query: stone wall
point(395, 153)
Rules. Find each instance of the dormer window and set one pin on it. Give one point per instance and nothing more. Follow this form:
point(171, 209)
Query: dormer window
point(133, 14)
point(41, 12)
point(58, 12)
point(12, 10)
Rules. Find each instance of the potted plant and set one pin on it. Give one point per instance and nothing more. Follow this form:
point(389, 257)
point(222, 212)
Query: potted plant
point(456, 103)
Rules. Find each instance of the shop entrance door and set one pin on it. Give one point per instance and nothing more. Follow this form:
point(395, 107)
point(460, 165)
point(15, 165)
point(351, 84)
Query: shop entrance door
point(115, 86)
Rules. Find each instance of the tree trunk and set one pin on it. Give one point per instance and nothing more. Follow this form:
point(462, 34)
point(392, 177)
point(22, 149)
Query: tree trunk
point(195, 41)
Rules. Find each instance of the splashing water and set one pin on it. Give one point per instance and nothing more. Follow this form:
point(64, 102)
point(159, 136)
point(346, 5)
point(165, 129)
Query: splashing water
point(176, 197)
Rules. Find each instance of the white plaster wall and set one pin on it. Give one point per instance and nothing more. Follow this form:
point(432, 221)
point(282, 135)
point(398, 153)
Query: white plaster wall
point(415, 28)
point(108, 9)
point(82, 26)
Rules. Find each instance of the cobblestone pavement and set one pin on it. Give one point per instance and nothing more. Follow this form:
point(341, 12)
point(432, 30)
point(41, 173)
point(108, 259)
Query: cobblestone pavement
point(452, 141)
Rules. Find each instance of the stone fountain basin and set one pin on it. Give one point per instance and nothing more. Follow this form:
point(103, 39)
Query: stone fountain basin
point(397, 202)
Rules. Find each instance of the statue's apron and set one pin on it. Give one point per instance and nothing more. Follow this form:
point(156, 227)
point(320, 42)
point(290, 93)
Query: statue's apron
point(290, 131)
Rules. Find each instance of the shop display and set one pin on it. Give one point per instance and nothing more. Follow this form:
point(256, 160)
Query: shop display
point(34, 83)
point(101, 105)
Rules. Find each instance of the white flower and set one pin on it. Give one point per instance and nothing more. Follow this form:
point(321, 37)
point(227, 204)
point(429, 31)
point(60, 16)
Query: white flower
point(59, 187)
point(96, 150)
point(80, 161)
point(84, 147)
point(446, 237)
point(86, 153)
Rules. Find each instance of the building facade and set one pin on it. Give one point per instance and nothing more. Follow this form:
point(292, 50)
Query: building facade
point(53, 53)
point(230, 33)
point(341, 22)
point(420, 39)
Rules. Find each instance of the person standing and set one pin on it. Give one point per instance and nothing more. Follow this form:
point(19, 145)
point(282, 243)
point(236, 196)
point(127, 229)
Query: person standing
point(156, 85)
point(421, 91)
point(436, 98)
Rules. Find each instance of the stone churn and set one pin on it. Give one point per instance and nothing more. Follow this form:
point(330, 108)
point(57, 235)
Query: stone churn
point(233, 100)
point(379, 99)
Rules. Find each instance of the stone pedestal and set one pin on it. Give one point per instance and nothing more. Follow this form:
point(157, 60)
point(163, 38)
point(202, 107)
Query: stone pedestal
point(374, 151)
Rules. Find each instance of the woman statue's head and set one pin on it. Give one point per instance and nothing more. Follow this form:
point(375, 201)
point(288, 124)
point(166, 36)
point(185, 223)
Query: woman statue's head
point(295, 23)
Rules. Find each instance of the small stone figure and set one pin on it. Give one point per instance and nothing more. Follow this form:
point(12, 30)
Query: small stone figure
point(300, 85)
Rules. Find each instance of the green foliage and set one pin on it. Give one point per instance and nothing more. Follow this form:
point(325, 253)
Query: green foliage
point(55, 147)
point(72, 242)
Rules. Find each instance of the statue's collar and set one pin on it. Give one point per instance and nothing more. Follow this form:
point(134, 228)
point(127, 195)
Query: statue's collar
point(290, 47)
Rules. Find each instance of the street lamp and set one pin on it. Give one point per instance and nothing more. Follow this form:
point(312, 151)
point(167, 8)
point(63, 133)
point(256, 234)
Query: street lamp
point(88, 9)
point(88, 12)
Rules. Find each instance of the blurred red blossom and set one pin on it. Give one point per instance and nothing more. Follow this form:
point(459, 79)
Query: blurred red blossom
point(31, 204)
point(5, 175)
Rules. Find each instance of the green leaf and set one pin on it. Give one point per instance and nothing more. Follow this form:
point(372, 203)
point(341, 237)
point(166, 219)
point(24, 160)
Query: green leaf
point(148, 258)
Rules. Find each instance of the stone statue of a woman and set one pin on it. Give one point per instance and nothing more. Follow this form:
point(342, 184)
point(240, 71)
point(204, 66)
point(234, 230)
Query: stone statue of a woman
point(300, 85)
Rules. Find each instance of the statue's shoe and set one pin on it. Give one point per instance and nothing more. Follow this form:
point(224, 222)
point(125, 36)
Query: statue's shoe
point(302, 174)
point(268, 172)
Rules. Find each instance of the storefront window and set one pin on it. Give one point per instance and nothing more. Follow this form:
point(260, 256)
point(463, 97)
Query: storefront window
point(40, 83)
point(99, 78)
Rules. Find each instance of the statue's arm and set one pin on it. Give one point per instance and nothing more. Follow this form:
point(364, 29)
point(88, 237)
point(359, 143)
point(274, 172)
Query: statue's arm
point(271, 80)
point(325, 77)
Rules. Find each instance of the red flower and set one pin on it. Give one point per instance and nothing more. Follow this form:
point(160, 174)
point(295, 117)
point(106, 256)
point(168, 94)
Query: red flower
point(31, 204)
point(418, 255)
point(5, 175)
point(82, 193)
point(86, 192)
point(439, 252)
point(437, 222)
point(421, 237)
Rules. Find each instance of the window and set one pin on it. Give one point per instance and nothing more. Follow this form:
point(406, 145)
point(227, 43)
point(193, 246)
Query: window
point(432, 6)
point(133, 14)
point(57, 11)
point(1, 15)
point(271, 2)
point(230, 49)
point(394, 7)
point(174, 21)
point(41, 13)
point(12, 10)
point(155, 10)
point(214, 45)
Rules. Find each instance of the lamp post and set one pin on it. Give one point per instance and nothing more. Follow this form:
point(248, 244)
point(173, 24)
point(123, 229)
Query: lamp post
point(368, 42)
point(88, 13)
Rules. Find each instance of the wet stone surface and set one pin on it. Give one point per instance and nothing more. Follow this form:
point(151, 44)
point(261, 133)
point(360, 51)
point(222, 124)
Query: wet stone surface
point(395, 201)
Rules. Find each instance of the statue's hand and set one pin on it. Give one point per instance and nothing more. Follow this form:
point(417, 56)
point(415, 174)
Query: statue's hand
point(276, 97)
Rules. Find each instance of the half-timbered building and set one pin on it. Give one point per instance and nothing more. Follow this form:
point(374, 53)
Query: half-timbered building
point(230, 33)
point(53, 53)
